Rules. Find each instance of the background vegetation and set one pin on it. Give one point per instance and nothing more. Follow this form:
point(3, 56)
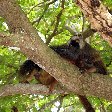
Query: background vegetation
point(51, 20)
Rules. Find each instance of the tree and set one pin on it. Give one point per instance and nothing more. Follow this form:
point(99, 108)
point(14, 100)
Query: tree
point(23, 35)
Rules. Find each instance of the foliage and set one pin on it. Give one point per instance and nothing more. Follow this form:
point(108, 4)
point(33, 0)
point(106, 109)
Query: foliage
point(43, 16)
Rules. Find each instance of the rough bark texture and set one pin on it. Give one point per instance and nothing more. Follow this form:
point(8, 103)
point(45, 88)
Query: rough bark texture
point(26, 89)
point(99, 17)
point(35, 49)
point(63, 71)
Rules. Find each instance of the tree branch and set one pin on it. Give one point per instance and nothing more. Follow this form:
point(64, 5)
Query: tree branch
point(27, 89)
point(99, 17)
point(38, 20)
point(61, 70)
point(41, 4)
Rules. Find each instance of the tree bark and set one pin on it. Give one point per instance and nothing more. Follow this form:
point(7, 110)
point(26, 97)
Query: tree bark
point(98, 16)
point(64, 72)
point(38, 89)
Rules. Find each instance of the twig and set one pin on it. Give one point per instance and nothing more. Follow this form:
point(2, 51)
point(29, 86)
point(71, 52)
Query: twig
point(102, 105)
point(38, 20)
point(61, 101)
point(40, 5)
point(70, 30)
point(87, 33)
point(83, 25)
point(52, 23)
point(57, 24)
point(48, 104)
point(34, 7)
point(45, 9)
point(51, 2)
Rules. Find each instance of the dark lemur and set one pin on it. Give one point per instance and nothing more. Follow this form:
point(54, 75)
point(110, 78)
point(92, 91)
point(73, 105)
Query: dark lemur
point(87, 59)
point(27, 71)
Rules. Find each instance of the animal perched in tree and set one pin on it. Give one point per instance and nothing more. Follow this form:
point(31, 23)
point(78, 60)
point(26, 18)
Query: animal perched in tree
point(86, 58)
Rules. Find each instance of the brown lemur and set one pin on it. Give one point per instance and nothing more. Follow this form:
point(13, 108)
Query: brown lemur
point(86, 58)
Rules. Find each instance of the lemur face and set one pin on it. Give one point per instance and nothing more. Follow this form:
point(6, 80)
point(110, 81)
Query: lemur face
point(74, 43)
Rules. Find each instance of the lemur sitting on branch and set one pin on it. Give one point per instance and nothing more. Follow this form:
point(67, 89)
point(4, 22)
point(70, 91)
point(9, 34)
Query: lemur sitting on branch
point(86, 58)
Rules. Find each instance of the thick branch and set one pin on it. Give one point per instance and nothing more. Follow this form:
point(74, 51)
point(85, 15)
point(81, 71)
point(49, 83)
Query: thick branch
point(63, 71)
point(27, 89)
point(99, 17)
